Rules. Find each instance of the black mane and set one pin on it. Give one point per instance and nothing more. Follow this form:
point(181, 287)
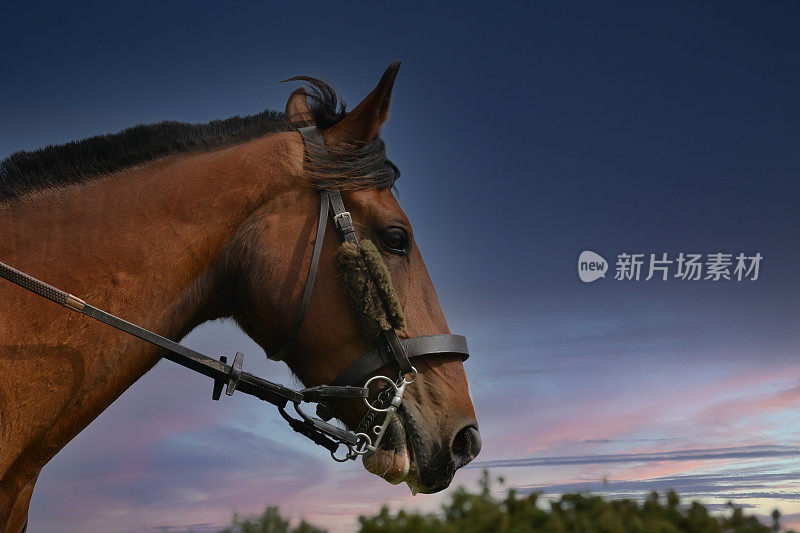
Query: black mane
point(84, 160)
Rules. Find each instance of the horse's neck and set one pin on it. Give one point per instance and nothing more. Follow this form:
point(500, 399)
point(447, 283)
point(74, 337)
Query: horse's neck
point(140, 243)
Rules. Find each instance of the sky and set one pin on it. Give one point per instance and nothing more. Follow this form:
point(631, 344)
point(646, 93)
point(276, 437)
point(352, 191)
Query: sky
point(526, 134)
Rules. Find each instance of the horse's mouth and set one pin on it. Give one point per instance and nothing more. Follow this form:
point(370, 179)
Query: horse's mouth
point(392, 460)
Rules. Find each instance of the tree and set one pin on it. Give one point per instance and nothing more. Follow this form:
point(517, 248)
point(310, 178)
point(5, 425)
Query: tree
point(270, 521)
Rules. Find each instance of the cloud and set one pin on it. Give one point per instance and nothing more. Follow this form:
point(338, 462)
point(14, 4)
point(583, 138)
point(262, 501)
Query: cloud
point(733, 485)
point(737, 452)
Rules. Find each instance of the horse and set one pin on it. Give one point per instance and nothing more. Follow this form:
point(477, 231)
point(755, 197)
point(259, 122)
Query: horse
point(171, 225)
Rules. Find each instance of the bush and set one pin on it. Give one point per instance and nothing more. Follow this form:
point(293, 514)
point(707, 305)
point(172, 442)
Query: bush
point(270, 521)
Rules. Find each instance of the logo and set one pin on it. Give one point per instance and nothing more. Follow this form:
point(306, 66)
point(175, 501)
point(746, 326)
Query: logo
point(591, 266)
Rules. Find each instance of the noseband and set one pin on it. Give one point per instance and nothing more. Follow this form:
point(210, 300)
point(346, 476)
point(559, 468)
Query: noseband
point(390, 350)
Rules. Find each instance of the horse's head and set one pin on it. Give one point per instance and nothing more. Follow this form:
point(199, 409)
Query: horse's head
point(436, 432)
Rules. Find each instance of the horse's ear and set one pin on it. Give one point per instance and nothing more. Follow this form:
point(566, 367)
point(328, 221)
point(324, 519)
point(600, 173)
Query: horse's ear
point(298, 114)
point(362, 124)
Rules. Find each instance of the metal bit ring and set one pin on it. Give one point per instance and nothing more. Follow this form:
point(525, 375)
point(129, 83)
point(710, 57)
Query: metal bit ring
point(347, 456)
point(363, 446)
point(375, 379)
point(413, 378)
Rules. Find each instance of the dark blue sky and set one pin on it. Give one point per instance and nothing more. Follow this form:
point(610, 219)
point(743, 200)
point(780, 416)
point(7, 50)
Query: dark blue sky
point(525, 134)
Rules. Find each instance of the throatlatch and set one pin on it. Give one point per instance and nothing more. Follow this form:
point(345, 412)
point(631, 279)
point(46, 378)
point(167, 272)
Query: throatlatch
point(371, 293)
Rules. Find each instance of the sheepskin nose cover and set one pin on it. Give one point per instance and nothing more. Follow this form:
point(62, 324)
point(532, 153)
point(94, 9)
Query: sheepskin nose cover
point(369, 288)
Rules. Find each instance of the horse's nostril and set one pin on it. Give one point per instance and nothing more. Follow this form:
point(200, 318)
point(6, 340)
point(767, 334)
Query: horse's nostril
point(466, 445)
point(460, 442)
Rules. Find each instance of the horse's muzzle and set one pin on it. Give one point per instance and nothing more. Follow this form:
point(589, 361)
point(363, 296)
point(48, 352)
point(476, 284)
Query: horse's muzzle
point(433, 465)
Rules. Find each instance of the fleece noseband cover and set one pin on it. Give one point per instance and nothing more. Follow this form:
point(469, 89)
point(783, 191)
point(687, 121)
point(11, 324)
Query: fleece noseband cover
point(369, 288)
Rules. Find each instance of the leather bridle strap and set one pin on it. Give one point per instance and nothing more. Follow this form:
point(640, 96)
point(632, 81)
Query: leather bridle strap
point(342, 218)
point(380, 357)
point(315, 146)
point(222, 373)
point(322, 224)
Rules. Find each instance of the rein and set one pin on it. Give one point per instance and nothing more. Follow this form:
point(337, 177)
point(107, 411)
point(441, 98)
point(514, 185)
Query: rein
point(390, 350)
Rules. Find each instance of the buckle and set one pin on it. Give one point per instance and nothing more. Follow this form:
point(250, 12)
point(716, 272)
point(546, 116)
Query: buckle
point(339, 220)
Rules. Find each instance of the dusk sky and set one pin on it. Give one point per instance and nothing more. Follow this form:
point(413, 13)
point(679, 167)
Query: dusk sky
point(525, 135)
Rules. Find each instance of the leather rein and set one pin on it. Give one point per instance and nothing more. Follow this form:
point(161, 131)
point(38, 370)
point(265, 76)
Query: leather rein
point(390, 352)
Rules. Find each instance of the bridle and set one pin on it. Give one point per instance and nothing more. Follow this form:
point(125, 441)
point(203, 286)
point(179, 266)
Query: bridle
point(391, 351)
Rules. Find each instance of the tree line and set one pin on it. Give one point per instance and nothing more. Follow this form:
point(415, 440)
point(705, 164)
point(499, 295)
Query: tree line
point(468, 512)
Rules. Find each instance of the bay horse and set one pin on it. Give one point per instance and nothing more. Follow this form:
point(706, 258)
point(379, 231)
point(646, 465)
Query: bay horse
point(171, 225)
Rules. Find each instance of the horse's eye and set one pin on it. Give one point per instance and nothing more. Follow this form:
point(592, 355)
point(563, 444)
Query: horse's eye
point(395, 240)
